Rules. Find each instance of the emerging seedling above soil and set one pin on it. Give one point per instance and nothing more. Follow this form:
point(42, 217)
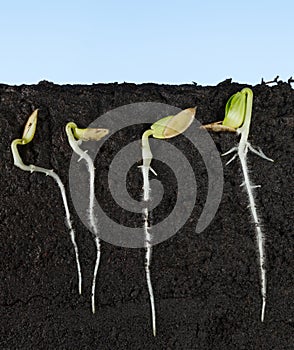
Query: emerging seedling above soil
point(237, 119)
point(75, 138)
point(164, 128)
point(28, 135)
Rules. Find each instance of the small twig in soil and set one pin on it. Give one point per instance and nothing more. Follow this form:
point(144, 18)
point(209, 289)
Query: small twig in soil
point(271, 81)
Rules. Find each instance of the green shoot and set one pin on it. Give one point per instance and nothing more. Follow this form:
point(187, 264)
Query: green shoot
point(75, 137)
point(165, 128)
point(28, 135)
point(238, 118)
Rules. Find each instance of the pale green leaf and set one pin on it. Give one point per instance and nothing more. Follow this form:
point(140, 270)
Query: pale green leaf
point(179, 123)
point(90, 134)
point(172, 126)
point(235, 110)
point(30, 128)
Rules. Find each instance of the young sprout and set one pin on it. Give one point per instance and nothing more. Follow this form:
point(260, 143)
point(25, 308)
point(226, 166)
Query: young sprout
point(28, 135)
point(164, 128)
point(237, 118)
point(75, 138)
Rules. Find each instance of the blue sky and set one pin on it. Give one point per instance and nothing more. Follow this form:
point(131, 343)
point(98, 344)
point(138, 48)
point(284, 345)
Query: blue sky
point(92, 41)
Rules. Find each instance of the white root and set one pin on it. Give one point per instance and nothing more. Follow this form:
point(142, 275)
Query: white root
point(259, 235)
point(260, 238)
point(68, 220)
point(98, 254)
point(93, 224)
point(147, 157)
point(242, 151)
point(148, 255)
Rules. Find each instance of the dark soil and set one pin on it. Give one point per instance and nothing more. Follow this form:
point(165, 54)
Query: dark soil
point(206, 286)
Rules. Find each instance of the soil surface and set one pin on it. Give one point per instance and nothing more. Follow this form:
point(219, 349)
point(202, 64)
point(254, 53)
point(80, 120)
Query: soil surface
point(206, 285)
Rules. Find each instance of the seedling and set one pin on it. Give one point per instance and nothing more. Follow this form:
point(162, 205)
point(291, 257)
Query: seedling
point(75, 138)
point(164, 128)
point(28, 135)
point(237, 119)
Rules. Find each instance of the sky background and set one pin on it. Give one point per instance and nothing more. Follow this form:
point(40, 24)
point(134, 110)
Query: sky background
point(92, 41)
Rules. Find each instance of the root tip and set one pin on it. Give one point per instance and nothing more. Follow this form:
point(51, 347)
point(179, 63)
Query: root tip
point(263, 311)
